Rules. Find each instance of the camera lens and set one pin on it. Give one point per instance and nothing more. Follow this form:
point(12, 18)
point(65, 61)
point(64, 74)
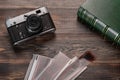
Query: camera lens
point(34, 23)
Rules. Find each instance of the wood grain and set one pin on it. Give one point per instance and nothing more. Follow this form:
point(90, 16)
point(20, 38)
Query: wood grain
point(8, 4)
point(71, 37)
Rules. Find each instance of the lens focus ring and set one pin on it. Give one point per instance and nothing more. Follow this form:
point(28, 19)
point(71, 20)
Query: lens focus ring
point(34, 23)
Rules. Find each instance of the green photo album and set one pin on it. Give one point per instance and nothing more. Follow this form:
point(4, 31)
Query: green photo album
point(103, 16)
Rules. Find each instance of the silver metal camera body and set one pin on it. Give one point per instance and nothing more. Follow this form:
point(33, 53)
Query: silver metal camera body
point(29, 25)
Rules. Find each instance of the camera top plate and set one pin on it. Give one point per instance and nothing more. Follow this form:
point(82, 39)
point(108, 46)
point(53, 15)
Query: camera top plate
point(21, 18)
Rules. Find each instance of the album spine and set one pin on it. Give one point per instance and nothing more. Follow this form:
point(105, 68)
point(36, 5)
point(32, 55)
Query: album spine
point(96, 24)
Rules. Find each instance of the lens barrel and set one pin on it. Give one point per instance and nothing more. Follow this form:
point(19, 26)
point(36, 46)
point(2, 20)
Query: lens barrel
point(34, 23)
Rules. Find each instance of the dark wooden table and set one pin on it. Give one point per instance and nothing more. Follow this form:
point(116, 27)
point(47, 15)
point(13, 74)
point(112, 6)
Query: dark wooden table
point(71, 37)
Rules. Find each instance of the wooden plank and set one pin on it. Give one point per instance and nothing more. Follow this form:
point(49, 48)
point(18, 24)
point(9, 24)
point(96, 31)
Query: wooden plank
point(93, 72)
point(8, 4)
point(101, 72)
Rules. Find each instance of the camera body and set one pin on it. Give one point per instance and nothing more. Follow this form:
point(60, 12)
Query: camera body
point(29, 25)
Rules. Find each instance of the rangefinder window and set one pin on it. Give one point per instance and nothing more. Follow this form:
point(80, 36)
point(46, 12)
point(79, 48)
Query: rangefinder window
point(38, 11)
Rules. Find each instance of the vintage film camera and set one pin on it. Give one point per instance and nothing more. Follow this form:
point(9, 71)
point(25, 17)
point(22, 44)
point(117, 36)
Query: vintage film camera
point(29, 25)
